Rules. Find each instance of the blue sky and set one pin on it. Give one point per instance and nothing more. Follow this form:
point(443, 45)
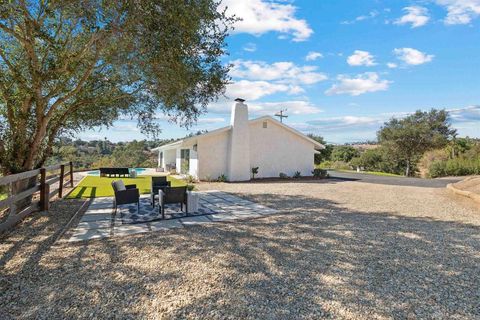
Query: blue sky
point(342, 68)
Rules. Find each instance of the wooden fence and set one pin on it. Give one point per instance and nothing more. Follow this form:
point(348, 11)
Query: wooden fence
point(40, 193)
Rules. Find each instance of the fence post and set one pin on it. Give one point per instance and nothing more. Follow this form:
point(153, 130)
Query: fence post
point(71, 174)
point(60, 187)
point(44, 196)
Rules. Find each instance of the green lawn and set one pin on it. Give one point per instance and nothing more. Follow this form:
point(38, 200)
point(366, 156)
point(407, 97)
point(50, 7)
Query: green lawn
point(94, 187)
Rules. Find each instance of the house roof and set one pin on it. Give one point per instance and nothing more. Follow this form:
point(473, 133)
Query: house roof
point(317, 145)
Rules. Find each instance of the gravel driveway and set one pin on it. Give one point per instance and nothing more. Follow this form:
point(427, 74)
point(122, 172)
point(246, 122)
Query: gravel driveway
point(348, 250)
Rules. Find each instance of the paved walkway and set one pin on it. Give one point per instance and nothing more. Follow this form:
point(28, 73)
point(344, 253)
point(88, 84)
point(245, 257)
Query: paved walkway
point(99, 222)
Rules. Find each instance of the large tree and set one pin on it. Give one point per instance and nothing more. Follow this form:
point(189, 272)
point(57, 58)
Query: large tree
point(407, 139)
point(70, 65)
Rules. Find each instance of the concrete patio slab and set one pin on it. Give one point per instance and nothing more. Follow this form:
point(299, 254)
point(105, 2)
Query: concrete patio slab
point(89, 234)
point(100, 222)
point(191, 221)
point(165, 224)
point(129, 229)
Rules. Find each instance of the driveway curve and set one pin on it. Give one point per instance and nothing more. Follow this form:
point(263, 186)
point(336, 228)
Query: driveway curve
point(393, 181)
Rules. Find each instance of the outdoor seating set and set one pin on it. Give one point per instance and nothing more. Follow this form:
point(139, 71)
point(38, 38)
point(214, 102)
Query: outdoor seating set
point(161, 191)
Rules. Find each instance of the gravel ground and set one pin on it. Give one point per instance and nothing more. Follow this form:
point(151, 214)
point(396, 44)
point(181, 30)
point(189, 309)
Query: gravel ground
point(346, 250)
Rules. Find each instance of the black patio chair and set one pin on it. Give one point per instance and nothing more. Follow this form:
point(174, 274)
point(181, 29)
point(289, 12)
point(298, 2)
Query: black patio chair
point(158, 183)
point(125, 194)
point(171, 195)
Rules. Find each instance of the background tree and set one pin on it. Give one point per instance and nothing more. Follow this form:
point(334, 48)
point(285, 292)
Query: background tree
point(409, 138)
point(344, 153)
point(68, 65)
point(324, 154)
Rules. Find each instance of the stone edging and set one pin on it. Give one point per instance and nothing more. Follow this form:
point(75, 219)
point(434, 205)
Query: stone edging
point(472, 195)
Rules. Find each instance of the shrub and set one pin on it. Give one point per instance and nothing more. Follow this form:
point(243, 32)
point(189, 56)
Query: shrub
point(432, 159)
point(190, 179)
point(320, 173)
point(222, 178)
point(254, 172)
point(325, 165)
point(340, 165)
point(454, 167)
point(190, 187)
point(297, 174)
point(283, 175)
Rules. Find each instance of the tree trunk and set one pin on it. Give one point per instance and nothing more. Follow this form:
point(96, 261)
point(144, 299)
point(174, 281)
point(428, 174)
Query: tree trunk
point(407, 169)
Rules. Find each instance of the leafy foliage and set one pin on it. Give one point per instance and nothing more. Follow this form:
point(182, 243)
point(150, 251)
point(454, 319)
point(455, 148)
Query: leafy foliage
point(254, 172)
point(297, 175)
point(455, 167)
point(103, 153)
point(283, 175)
point(460, 157)
point(344, 153)
point(407, 139)
point(324, 154)
point(222, 178)
point(377, 159)
point(67, 66)
point(320, 173)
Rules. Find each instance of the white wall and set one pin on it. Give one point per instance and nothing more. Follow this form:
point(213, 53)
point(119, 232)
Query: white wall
point(178, 162)
point(212, 155)
point(193, 169)
point(275, 149)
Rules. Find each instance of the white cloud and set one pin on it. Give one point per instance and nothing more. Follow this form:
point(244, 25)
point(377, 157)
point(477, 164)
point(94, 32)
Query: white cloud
point(370, 15)
point(412, 56)
point(282, 72)
point(361, 58)
point(253, 90)
point(313, 55)
point(336, 123)
point(460, 11)
point(261, 16)
point(250, 47)
point(362, 83)
point(392, 65)
point(210, 120)
point(466, 114)
point(295, 107)
point(416, 16)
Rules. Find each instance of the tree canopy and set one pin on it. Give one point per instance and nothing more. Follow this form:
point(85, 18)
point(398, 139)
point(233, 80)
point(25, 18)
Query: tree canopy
point(68, 65)
point(407, 139)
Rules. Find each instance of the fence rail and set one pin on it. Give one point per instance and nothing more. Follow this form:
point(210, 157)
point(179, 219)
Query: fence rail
point(41, 186)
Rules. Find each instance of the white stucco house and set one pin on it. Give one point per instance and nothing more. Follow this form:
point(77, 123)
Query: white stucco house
point(234, 150)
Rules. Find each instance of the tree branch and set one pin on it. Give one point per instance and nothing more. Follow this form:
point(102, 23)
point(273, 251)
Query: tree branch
point(77, 88)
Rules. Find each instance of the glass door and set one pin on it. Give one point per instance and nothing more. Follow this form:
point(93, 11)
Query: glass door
point(185, 160)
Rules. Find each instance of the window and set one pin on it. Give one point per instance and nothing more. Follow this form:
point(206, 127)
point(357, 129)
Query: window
point(264, 124)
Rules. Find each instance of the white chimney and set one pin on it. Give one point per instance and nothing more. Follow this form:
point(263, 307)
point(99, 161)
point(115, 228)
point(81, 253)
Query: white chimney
point(239, 155)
